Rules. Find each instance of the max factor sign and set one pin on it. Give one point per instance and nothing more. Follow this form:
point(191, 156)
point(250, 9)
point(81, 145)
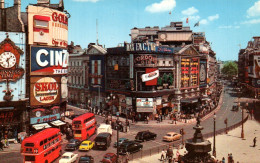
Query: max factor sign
point(148, 47)
point(49, 61)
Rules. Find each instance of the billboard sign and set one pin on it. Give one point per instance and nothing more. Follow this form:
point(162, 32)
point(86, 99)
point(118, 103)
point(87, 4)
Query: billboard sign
point(144, 102)
point(150, 78)
point(203, 73)
point(44, 91)
point(47, 26)
point(49, 61)
point(12, 66)
point(254, 70)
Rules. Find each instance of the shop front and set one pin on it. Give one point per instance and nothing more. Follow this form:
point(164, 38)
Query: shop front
point(11, 122)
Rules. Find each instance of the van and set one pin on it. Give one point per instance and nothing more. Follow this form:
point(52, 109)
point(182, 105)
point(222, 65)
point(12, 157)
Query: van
point(104, 128)
point(103, 140)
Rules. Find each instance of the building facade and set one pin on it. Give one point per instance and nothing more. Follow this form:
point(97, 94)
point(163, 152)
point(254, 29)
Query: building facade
point(249, 68)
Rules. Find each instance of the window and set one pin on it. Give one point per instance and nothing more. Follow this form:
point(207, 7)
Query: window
point(29, 158)
point(29, 144)
point(77, 131)
point(45, 141)
point(41, 143)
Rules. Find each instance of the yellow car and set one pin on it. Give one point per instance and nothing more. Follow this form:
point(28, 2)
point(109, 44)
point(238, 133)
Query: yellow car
point(172, 136)
point(86, 145)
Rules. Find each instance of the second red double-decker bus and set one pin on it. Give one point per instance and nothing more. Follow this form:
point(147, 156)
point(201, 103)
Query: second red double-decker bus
point(84, 126)
point(43, 147)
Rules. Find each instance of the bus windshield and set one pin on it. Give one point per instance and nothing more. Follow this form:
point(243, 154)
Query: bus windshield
point(77, 122)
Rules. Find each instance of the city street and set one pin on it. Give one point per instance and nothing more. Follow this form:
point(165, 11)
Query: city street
point(229, 99)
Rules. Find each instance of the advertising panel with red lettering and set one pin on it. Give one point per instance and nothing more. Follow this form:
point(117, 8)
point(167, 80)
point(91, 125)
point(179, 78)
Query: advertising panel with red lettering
point(45, 91)
point(151, 76)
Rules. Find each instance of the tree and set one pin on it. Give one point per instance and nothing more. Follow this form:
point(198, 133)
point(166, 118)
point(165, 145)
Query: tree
point(159, 81)
point(230, 69)
point(170, 79)
point(165, 78)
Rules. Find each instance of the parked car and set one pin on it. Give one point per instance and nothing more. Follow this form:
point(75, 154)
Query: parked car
point(103, 140)
point(171, 136)
point(130, 146)
point(104, 128)
point(109, 158)
point(86, 159)
point(145, 135)
point(121, 140)
point(86, 145)
point(68, 157)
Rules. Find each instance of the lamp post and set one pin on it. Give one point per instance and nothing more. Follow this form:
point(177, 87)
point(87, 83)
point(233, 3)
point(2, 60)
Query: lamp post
point(117, 137)
point(111, 97)
point(214, 140)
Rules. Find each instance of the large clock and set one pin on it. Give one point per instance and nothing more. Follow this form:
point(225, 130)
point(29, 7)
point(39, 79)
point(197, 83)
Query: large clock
point(202, 72)
point(7, 59)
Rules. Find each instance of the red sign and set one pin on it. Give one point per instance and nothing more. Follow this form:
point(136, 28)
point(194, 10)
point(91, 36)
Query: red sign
point(151, 82)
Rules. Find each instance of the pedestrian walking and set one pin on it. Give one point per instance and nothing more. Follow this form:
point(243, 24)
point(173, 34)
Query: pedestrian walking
point(223, 160)
point(127, 157)
point(147, 118)
point(169, 154)
point(254, 141)
point(163, 155)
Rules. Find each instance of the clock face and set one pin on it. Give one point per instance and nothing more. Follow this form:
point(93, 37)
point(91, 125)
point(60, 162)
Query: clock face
point(163, 36)
point(38, 113)
point(7, 59)
point(202, 73)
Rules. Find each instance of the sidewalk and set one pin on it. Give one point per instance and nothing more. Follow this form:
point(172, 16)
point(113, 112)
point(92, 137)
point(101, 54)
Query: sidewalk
point(241, 150)
point(12, 148)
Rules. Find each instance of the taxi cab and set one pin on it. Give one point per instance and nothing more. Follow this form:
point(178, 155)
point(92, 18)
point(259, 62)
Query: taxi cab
point(86, 145)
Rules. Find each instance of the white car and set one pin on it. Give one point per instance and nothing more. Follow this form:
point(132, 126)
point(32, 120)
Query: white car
point(104, 128)
point(68, 157)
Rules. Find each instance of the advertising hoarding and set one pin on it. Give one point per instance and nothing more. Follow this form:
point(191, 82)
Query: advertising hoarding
point(254, 70)
point(203, 73)
point(12, 67)
point(45, 91)
point(150, 78)
point(144, 102)
point(47, 26)
point(48, 61)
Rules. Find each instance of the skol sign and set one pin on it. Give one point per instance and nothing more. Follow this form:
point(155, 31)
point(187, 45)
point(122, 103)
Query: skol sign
point(49, 61)
point(45, 90)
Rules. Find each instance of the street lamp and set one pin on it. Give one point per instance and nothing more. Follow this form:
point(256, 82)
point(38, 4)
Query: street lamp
point(214, 140)
point(111, 97)
point(117, 137)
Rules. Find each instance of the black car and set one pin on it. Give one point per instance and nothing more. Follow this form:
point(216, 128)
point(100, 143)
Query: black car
point(86, 159)
point(145, 135)
point(130, 146)
point(73, 144)
point(121, 140)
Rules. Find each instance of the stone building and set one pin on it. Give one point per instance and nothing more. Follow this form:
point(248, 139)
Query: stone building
point(249, 68)
point(161, 71)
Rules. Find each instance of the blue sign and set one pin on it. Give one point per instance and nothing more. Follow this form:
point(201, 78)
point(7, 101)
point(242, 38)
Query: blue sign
point(44, 119)
point(149, 47)
point(48, 61)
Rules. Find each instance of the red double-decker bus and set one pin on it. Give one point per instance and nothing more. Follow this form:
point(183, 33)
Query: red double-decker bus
point(84, 126)
point(45, 146)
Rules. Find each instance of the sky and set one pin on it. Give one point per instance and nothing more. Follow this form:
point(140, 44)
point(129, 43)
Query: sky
point(228, 24)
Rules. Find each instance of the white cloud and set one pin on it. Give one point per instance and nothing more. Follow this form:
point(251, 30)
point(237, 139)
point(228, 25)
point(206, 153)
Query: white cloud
point(229, 27)
point(253, 21)
point(163, 6)
point(191, 18)
point(204, 21)
point(190, 11)
point(94, 1)
point(214, 17)
point(254, 10)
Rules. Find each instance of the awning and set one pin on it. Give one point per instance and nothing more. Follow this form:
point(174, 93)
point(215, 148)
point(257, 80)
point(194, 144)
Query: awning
point(58, 123)
point(41, 126)
point(205, 99)
point(189, 100)
point(6, 108)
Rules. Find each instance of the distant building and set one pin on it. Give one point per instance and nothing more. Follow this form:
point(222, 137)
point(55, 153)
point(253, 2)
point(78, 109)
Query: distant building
point(249, 67)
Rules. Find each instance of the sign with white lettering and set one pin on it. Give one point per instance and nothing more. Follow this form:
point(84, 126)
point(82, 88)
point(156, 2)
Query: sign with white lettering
point(49, 61)
point(150, 76)
point(144, 102)
point(45, 91)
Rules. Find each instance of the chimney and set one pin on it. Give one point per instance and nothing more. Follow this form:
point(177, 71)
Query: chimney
point(2, 4)
point(17, 2)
